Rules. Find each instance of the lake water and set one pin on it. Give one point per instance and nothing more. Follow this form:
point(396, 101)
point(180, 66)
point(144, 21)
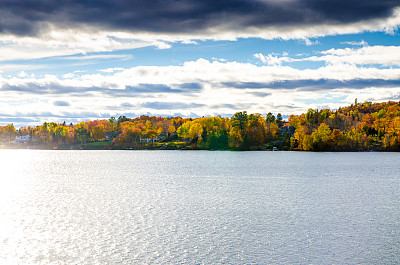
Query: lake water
point(199, 207)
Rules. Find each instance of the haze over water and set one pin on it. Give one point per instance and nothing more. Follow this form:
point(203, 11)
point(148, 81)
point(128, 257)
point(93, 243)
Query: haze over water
point(199, 207)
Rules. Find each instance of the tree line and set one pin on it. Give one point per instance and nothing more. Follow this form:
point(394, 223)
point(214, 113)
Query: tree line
point(361, 126)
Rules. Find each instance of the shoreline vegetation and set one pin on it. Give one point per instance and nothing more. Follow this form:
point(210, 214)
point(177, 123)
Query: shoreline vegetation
point(359, 127)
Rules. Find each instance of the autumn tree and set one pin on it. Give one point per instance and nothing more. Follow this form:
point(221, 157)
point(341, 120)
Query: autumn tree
point(8, 133)
point(98, 132)
point(195, 130)
point(81, 132)
point(183, 130)
point(320, 137)
point(239, 129)
point(61, 133)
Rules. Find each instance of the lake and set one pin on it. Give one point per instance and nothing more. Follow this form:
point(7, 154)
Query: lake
point(199, 207)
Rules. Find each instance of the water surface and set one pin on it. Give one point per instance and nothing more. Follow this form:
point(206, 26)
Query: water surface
point(199, 207)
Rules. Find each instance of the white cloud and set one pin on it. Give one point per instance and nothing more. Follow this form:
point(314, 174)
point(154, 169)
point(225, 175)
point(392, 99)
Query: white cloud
point(68, 76)
point(309, 42)
point(356, 43)
point(95, 93)
point(111, 70)
point(367, 55)
point(22, 74)
point(71, 42)
point(272, 60)
point(210, 72)
point(189, 42)
point(383, 55)
point(161, 45)
point(261, 57)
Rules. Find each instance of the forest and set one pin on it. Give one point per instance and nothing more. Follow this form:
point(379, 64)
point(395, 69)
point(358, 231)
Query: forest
point(359, 127)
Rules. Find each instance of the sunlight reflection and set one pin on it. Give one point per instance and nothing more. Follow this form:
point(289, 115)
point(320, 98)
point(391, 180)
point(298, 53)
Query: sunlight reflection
point(17, 169)
point(15, 182)
point(14, 166)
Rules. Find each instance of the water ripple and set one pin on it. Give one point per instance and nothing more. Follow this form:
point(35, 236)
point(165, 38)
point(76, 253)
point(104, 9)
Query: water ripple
point(117, 207)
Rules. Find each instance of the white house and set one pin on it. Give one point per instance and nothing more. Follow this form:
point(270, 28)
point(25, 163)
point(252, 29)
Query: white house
point(148, 140)
point(22, 139)
point(155, 139)
point(145, 140)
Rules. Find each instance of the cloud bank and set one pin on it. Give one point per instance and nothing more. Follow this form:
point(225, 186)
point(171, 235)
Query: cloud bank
point(196, 88)
point(55, 28)
point(31, 18)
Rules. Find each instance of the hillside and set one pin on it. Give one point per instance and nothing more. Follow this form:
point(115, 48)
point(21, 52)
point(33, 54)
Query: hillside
point(360, 127)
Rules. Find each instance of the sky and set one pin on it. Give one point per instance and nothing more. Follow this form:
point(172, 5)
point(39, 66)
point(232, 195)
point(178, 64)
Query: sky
point(83, 60)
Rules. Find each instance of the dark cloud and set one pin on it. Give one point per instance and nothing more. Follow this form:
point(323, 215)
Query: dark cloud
point(161, 88)
point(27, 88)
point(50, 88)
point(129, 91)
point(232, 106)
point(150, 88)
point(158, 88)
point(7, 119)
point(170, 105)
point(64, 115)
point(127, 105)
point(337, 84)
point(392, 98)
point(226, 106)
point(190, 86)
point(260, 94)
point(319, 84)
point(245, 84)
point(29, 17)
point(284, 107)
point(61, 103)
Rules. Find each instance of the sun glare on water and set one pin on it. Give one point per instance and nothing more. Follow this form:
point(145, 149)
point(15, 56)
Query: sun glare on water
point(16, 181)
point(16, 173)
point(14, 166)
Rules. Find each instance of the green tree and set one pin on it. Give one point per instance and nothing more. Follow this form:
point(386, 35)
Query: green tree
point(82, 134)
point(312, 116)
point(122, 119)
point(183, 130)
point(113, 124)
point(239, 120)
point(217, 140)
point(270, 118)
point(279, 120)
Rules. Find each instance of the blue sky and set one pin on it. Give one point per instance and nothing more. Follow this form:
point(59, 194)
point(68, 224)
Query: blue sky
point(93, 60)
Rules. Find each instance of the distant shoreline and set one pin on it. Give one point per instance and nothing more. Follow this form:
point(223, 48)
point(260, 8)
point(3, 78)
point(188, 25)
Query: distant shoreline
point(359, 127)
point(149, 148)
